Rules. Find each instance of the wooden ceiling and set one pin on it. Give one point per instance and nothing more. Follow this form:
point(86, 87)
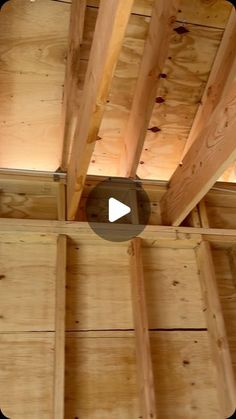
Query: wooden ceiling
point(33, 45)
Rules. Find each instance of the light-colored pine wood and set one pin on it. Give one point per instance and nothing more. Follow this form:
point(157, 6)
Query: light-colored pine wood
point(226, 384)
point(26, 364)
point(210, 154)
point(108, 37)
point(217, 83)
point(32, 48)
point(27, 274)
point(203, 214)
point(101, 374)
point(214, 14)
point(144, 360)
point(153, 60)
point(60, 322)
point(172, 287)
point(61, 202)
point(72, 85)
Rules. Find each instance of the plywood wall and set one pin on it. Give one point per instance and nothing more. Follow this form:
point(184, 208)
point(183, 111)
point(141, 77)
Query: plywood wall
point(101, 367)
point(27, 324)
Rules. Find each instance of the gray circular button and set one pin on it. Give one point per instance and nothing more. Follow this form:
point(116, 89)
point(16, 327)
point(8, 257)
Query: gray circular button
point(122, 205)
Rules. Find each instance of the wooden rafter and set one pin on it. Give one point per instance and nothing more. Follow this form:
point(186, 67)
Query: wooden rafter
point(71, 89)
point(218, 80)
point(154, 57)
point(211, 153)
point(113, 16)
point(144, 361)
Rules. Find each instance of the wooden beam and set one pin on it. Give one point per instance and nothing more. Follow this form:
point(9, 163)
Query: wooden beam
point(60, 309)
point(71, 88)
point(208, 157)
point(226, 385)
point(113, 16)
point(154, 57)
point(218, 80)
point(144, 361)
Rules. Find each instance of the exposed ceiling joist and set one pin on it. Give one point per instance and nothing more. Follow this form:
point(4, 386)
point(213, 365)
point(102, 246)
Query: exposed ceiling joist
point(218, 80)
point(110, 29)
point(71, 89)
point(154, 57)
point(211, 153)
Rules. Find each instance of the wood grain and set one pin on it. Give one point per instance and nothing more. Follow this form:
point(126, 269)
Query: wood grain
point(26, 363)
point(60, 323)
point(152, 64)
point(108, 38)
point(103, 363)
point(27, 269)
point(143, 352)
point(226, 385)
point(217, 83)
point(208, 157)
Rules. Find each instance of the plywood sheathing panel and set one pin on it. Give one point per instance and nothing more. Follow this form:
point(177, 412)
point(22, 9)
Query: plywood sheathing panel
point(101, 373)
point(105, 299)
point(33, 42)
point(33, 45)
point(192, 54)
point(27, 272)
point(26, 364)
point(28, 199)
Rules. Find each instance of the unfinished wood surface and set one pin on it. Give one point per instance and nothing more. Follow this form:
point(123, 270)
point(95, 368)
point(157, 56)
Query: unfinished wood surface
point(226, 385)
point(101, 374)
point(144, 360)
point(208, 157)
point(33, 41)
point(203, 214)
point(172, 286)
point(27, 365)
point(72, 87)
point(225, 269)
point(152, 64)
point(190, 57)
point(61, 202)
point(27, 270)
point(214, 14)
point(60, 322)
point(108, 37)
point(32, 83)
point(217, 83)
point(28, 199)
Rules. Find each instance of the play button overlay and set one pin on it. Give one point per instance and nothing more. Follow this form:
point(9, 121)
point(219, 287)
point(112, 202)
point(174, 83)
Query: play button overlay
point(117, 209)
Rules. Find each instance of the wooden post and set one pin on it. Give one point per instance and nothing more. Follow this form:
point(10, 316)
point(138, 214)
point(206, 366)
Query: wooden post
point(144, 362)
point(203, 214)
point(59, 366)
point(226, 385)
point(61, 202)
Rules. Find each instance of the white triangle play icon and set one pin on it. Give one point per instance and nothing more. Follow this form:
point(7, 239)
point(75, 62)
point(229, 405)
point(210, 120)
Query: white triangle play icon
point(117, 210)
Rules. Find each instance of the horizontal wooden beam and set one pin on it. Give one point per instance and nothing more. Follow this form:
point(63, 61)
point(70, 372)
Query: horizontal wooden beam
point(217, 82)
point(226, 384)
point(71, 88)
point(208, 157)
point(144, 361)
point(113, 16)
point(153, 60)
